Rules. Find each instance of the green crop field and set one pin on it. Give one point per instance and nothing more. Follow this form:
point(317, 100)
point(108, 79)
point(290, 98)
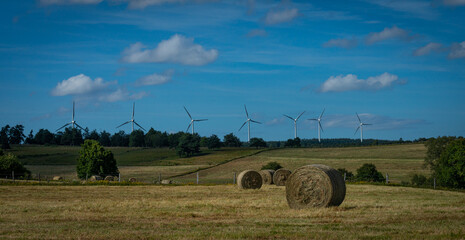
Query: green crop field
point(225, 212)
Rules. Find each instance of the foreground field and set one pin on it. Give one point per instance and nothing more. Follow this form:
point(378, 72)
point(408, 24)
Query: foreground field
point(224, 211)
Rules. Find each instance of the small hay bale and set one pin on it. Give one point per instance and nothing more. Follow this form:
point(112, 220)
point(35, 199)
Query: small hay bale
point(315, 186)
point(267, 176)
point(109, 178)
point(166, 182)
point(249, 179)
point(132, 180)
point(95, 178)
point(57, 178)
point(280, 176)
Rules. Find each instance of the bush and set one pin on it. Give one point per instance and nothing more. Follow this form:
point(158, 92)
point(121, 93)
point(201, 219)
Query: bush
point(231, 141)
point(349, 175)
point(293, 142)
point(257, 142)
point(10, 163)
point(450, 168)
point(367, 172)
point(213, 142)
point(272, 165)
point(420, 180)
point(188, 145)
point(95, 160)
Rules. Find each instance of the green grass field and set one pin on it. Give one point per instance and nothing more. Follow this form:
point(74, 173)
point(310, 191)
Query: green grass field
point(225, 212)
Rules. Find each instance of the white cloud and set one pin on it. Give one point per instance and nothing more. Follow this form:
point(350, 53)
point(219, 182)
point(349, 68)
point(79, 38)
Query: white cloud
point(351, 82)
point(177, 49)
point(155, 79)
point(427, 49)
point(342, 43)
point(69, 2)
point(80, 84)
point(82, 87)
point(457, 50)
point(286, 15)
point(257, 33)
point(388, 33)
point(420, 9)
point(454, 2)
point(141, 4)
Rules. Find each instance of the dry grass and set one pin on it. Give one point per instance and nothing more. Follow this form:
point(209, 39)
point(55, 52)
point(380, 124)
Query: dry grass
point(225, 212)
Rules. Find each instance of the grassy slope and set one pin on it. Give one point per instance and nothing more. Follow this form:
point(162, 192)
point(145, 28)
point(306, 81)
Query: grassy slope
point(399, 161)
point(224, 211)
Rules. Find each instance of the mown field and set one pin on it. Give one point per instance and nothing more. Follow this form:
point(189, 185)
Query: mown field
point(225, 212)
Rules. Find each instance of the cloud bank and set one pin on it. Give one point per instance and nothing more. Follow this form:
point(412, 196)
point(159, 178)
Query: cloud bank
point(177, 49)
point(457, 50)
point(281, 16)
point(351, 82)
point(386, 34)
point(83, 87)
point(427, 49)
point(155, 79)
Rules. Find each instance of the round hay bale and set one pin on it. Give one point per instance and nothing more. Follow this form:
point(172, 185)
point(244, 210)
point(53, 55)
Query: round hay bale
point(95, 178)
point(315, 186)
point(249, 179)
point(280, 176)
point(57, 178)
point(109, 178)
point(132, 180)
point(166, 182)
point(267, 176)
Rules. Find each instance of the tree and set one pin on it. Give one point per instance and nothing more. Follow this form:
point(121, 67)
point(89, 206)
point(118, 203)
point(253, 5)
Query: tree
point(272, 165)
point(231, 141)
point(188, 145)
point(10, 163)
point(173, 139)
point(4, 139)
point(30, 138)
point(349, 175)
point(93, 135)
point(137, 138)
point(293, 142)
point(104, 139)
point(120, 139)
point(257, 142)
point(154, 138)
point(95, 160)
point(368, 172)
point(435, 146)
point(43, 136)
point(450, 168)
point(71, 136)
point(17, 134)
point(213, 142)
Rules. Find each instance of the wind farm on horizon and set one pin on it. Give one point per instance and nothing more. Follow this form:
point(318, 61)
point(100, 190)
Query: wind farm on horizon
point(247, 122)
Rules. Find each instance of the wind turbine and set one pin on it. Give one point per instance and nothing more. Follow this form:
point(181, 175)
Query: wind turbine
point(72, 122)
point(132, 121)
point(248, 121)
point(295, 123)
point(320, 128)
point(361, 128)
point(192, 121)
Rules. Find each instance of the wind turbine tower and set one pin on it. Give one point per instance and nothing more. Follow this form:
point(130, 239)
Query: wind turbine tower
point(192, 121)
point(295, 122)
point(361, 127)
point(320, 128)
point(248, 121)
point(72, 121)
point(132, 121)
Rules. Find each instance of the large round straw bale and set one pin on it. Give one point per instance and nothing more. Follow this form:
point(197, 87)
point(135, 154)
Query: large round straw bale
point(267, 176)
point(57, 178)
point(249, 179)
point(166, 181)
point(132, 180)
point(95, 178)
point(109, 178)
point(280, 176)
point(315, 186)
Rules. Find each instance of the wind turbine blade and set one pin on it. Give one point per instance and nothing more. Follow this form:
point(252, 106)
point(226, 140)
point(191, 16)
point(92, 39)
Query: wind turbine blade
point(73, 110)
point(321, 127)
point(63, 126)
point(246, 113)
point(188, 113)
point(288, 117)
point(123, 124)
point(356, 130)
point(133, 109)
point(80, 126)
point(189, 126)
point(300, 115)
point(321, 115)
point(358, 118)
point(242, 126)
point(255, 121)
point(366, 124)
point(199, 120)
point(139, 125)
point(313, 119)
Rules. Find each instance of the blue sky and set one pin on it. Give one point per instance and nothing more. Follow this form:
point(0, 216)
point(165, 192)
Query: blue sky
point(399, 64)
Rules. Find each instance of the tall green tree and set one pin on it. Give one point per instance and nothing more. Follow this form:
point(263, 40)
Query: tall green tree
point(213, 142)
point(72, 136)
point(10, 163)
point(17, 134)
point(137, 139)
point(95, 160)
point(4, 138)
point(367, 172)
point(257, 142)
point(450, 168)
point(435, 147)
point(104, 139)
point(30, 138)
point(231, 141)
point(43, 136)
point(188, 145)
point(120, 139)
